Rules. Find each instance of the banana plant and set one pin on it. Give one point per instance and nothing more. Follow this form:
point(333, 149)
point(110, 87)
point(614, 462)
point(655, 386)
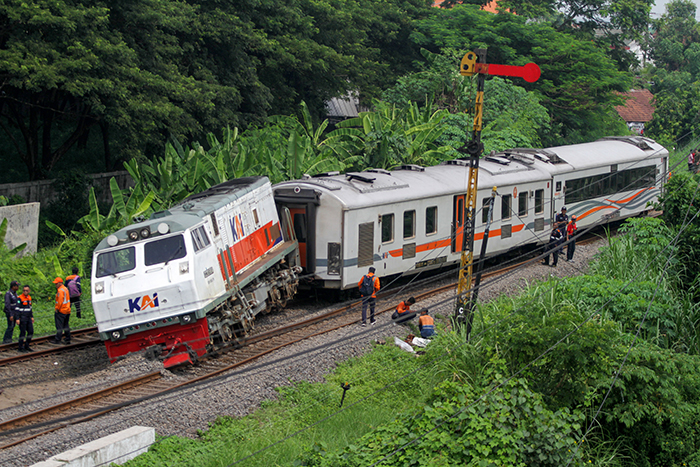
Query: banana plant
point(121, 213)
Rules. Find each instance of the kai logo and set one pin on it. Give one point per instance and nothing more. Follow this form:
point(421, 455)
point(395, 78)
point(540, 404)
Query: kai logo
point(237, 227)
point(146, 302)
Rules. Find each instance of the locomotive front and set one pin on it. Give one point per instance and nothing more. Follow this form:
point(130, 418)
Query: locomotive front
point(193, 278)
point(143, 282)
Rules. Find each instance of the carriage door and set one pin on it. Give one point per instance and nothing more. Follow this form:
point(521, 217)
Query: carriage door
point(300, 229)
point(458, 223)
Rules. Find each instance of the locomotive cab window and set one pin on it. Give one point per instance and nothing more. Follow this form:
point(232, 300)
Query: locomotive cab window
point(539, 201)
point(200, 239)
point(409, 224)
point(506, 206)
point(387, 228)
point(114, 262)
point(431, 220)
point(522, 204)
point(164, 250)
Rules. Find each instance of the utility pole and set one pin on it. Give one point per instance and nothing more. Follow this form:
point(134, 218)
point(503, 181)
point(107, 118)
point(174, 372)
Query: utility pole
point(475, 63)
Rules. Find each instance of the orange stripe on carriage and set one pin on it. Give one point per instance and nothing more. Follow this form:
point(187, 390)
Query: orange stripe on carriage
point(627, 200)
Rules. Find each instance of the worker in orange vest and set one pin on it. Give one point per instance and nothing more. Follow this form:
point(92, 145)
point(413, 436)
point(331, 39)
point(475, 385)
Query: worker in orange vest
point(426, 325)
point(62, 314)
point(403, 311)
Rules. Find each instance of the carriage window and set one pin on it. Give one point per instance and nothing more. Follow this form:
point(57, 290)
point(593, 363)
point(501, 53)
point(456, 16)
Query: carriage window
point(539, 201)
point(431, 220)
point(522, 203)
point(300, 227)
point(164, 250)
point(214, 225)
point(387, 228)
point(114, 262)
point(200, 238)
point(485, 209)
point(558, 188)
point(506, 206)
point(595, 186)
point(409, 224)
point(255, 216)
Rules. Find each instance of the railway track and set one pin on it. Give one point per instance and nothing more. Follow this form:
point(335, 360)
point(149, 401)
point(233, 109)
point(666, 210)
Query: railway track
point(42, 346)
point(86, 407)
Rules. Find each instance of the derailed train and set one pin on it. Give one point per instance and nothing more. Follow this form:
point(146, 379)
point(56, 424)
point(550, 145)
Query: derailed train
point(192, 278)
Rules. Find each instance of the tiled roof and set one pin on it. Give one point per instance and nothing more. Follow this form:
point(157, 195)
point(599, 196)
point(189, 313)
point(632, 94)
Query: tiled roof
point(490, 7)
point(638, 107)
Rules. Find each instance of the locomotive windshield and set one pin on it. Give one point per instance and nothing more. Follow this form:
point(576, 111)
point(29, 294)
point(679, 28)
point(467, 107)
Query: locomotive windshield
point(164, 250)
point(114, 262)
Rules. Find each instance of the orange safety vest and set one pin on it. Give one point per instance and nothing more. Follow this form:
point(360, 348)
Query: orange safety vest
point(403, 308)
point(62, 300)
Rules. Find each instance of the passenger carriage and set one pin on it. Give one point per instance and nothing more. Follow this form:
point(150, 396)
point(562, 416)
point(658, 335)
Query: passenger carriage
point(411, 218)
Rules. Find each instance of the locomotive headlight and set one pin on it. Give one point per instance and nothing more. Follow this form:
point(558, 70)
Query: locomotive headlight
point(133, 235)
point(187, 318)
point(145, 232)
point(163, 228)
point(112, 240)
point(99, 287)
point(185, 267)
point(116, 335)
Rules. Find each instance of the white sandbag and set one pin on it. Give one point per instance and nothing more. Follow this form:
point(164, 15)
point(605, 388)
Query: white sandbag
point(403, 345)
point(420, 342)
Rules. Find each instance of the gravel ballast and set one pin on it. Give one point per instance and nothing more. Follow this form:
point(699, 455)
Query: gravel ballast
point(185, 412)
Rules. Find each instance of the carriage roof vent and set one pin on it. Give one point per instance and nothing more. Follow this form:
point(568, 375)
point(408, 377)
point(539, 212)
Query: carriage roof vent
point(326, 174)
point(461, 162)
point(498, 159)
point(638, 141)
point(359, 178)
point(412, 167)
point(525, 158)
point(378, 171)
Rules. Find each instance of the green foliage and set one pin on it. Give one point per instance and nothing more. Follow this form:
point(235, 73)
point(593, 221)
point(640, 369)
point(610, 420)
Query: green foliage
point(506, 426)
point(654, 407)
point(121, 213)
point(391, 136)
point(71, 203)
point(138, 73)
point(578, 81)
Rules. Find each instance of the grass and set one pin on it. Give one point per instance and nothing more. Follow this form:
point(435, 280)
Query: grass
point(307, 405)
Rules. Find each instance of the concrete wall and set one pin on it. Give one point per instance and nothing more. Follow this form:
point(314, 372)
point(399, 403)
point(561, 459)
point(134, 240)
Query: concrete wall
point(22, 226)
point(42, 190)
point(116, 448)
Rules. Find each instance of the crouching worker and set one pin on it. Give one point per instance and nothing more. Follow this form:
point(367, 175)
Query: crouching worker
point(403, 311)
point(426, 325)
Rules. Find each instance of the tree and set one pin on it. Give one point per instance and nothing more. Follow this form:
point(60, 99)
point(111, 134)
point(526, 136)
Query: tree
point(141, 71)
point(675, 49)
point(578, 81)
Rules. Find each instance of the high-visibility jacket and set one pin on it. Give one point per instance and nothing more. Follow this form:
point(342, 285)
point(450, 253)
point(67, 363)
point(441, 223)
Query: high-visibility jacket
point(426, 325)
point(62, 300)
point(403, 308)
point(375, 283)
point(24, 307)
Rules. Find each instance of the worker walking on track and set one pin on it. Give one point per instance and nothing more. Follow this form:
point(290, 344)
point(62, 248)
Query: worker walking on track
point(62, 314)
point(369, 286)
point(25, 320)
